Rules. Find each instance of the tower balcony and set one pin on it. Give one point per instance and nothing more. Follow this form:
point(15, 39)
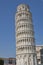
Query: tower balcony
point(21, 19)
point(25, 49)
point(24, 28)
point(25, 41)
point(24, 36)
point(27, 32)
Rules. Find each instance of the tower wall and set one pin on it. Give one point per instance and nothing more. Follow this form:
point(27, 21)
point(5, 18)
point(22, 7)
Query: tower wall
point(25, 42)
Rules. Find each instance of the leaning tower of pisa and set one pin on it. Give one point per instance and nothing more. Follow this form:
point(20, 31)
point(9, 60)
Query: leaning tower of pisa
point(25, 42)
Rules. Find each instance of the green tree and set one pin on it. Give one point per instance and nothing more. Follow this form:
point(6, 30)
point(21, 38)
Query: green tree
point(1, 62)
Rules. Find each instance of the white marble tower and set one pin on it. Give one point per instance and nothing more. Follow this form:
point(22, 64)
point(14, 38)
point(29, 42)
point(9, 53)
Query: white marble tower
point(25, 42)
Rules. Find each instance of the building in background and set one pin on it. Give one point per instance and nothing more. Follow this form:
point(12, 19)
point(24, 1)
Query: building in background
point(39, 52)
point(25, 41)
point(9, 61)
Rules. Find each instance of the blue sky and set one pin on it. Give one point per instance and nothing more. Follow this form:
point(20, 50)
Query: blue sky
point(7, 24)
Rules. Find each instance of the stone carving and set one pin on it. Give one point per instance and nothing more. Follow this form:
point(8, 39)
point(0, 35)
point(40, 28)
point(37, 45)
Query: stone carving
point(25, 59)
point(25, 63)
point(29, 60)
